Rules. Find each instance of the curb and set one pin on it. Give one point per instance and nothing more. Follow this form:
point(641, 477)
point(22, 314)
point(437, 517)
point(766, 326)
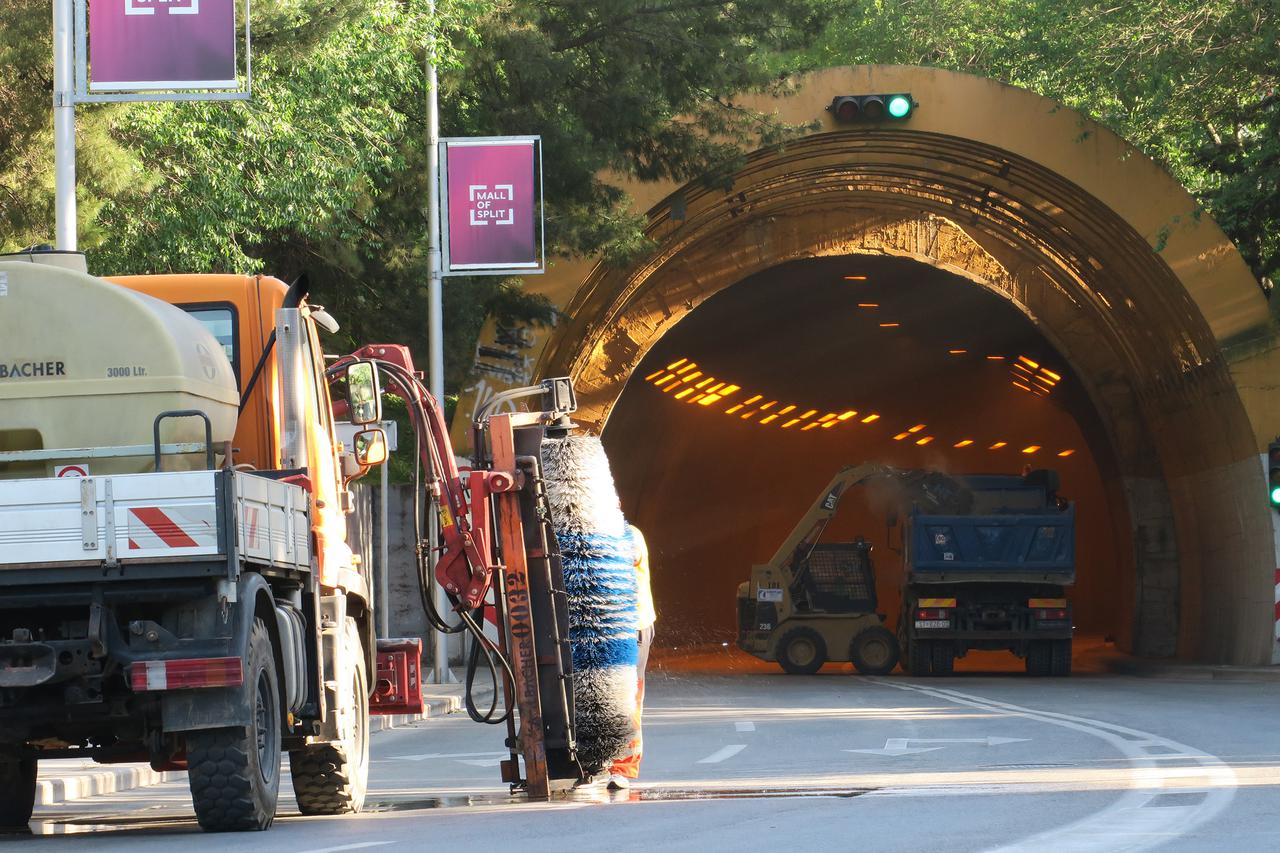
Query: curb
point(95, 780)
point(1193, 672)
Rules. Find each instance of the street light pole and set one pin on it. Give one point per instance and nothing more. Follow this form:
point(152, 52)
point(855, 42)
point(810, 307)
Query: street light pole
point(64, 130)
point(435, 318)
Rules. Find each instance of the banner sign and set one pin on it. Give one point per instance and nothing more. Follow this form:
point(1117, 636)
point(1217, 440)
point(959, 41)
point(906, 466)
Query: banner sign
point(491, 198)
point(142, 45)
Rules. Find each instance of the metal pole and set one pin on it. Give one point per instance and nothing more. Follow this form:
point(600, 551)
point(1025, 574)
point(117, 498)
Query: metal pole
point(435, 315)
point(64, 129)
point(384, 558)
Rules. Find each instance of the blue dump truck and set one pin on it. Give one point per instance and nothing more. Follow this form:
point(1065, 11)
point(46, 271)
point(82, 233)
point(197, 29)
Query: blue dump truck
point(992, 576)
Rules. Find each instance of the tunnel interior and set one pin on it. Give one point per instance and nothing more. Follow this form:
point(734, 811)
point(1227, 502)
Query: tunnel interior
point(738, 416)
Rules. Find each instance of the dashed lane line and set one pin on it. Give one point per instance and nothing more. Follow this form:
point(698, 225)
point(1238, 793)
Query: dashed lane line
point(1145, 816)
point(724, 752)
point(745, 726)
point(360, 845)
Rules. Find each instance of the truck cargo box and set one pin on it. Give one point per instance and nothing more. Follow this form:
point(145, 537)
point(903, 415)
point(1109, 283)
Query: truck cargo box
point(146, 519)
point(1026, 547)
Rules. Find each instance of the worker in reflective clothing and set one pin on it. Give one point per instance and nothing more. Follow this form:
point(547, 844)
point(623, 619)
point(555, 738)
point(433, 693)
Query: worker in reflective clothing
point(627, 767)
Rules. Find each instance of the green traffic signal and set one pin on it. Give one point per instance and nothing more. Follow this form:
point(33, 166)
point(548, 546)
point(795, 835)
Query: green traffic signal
point(1275, 496)
point(900, 106)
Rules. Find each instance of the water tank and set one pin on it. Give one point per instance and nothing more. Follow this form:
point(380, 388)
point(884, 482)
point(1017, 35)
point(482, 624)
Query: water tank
point(85, 363)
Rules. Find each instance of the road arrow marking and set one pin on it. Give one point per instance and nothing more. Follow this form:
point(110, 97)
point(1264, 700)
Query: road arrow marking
point(898, 745)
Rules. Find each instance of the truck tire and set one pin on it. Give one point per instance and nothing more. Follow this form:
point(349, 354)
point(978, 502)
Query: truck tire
point(17, 791)
point(1039, 658)
point(943, 657)
point(802, 651)
point(235, 772)
point(874, 651)
point(1060, 662)
point(919, 658)
point(332, 778)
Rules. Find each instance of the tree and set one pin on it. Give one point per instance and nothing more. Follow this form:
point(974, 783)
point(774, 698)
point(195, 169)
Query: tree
point(1191, 83)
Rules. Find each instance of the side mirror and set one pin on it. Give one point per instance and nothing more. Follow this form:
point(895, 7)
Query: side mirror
point(371, 447)
point(364, 395)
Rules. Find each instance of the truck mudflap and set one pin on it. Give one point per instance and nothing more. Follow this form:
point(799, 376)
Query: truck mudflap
point(185, 708)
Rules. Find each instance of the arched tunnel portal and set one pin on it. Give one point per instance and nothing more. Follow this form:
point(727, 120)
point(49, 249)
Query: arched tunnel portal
point(997, 271)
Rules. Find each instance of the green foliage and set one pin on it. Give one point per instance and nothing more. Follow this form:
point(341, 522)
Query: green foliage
point(1193, 83)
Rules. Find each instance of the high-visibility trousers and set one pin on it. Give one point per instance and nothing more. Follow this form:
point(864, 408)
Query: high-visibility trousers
point(629, 764)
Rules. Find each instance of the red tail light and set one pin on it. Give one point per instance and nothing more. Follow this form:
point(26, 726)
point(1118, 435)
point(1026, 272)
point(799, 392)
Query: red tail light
point(1054, 614)
point(186, 674)
point(933, 613)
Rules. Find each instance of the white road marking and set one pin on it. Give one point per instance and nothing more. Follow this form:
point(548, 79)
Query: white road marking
point(745, 726)
point(426, 755)
point(360, 845)
point(1128, 824)
point(898, 745)
point(480, 762)
point(724, 752)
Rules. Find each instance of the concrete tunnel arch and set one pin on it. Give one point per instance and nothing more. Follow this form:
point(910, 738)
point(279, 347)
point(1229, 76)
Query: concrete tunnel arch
point(1110, 259)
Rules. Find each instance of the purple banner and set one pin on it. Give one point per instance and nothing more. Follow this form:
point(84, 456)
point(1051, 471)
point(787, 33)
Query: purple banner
point(492, 205)
point(138, 45)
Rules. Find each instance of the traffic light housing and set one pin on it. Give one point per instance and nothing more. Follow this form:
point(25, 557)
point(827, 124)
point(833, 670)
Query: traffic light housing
point(1273, 474)
point(897, 106)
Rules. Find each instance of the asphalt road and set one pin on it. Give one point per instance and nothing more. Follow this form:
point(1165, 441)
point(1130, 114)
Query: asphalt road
point(831, 762)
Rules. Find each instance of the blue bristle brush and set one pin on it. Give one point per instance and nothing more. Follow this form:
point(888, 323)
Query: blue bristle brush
point(598, 556)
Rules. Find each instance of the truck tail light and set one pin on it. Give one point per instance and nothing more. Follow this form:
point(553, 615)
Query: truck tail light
point(932, 613)
point(186, 674)
point(1052, 614)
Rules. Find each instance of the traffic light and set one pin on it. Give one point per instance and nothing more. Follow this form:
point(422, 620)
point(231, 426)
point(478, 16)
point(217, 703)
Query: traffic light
point(891, 107)
point(1273, 473)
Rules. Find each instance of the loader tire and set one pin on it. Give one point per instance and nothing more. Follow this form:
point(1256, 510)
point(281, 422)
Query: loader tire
point(332, 778)
point(1060, 659)
point(943, 657)
point(235, 772)
point(1039, 658)
point(17, 791)
point(919, 663)
point(802, 651)
point(874, 651)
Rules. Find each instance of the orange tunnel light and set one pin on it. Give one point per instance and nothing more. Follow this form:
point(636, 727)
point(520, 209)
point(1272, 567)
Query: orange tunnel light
point(916, 428)
point(901, 436)
point(808, 427)
point(869, 418)
point(957, 351)
point(965, 443)
point(768, 419)
point(1066, 452)
point(844, 416)
point(829, 424)
point(1054, 376)
point(753, 399)
point(679, 361)
point(732, 409)
point(690, 366)
point(995, 358)
point(855, 278)
point(791, 423)
point(925, 440)
point(654, 375)
point(1032, 448)
point(868, 304)
point(786, 410)
point(890, 325)
point(1028, 362)
point(685, 393)
point(998, 445)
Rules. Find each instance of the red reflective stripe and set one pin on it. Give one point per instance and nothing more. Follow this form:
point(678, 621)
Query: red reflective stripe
point(163, 526)
point(186, 674)
point(134, 546)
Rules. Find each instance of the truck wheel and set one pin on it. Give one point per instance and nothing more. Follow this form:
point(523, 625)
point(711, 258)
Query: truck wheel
point(874, 651)
point(943, 658)
point(802, 651)
point(1039, 658)
point(235, 772)
point(332, 778)
point(1060, 664)
point(17, 791)
point(919, 658)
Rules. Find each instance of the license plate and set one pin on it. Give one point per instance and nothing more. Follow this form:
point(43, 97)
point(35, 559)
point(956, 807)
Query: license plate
point(933, 623)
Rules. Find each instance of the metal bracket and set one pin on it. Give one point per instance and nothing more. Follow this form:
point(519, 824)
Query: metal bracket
point(89, 514)
point(109, 507)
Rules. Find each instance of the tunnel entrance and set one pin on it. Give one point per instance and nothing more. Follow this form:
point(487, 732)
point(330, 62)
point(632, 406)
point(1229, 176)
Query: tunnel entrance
point(739, 415)
point(1165, 343)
